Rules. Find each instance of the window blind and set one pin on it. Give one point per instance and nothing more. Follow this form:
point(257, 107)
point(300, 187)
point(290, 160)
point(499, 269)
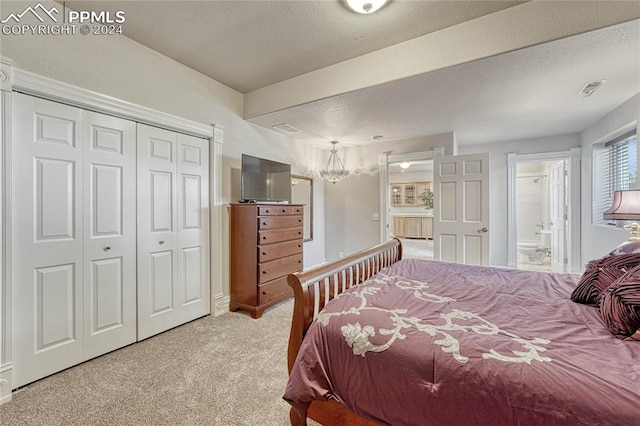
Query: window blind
point(615, 168)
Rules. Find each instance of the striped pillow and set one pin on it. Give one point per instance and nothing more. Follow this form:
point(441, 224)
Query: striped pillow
point(620, 306)
point(600, 274)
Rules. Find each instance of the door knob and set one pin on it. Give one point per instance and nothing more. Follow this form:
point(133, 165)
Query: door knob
point(483, 230)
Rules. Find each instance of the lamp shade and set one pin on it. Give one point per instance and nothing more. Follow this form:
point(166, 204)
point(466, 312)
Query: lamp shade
point(625, 206)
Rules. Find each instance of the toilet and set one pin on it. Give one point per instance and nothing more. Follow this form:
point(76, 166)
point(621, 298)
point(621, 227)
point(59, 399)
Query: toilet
point(535, 251)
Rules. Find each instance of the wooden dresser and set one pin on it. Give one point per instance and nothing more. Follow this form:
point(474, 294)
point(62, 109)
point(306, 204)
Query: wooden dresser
point(266, 246)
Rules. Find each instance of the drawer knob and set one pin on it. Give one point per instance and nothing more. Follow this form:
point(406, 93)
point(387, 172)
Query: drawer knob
point(161, 242)
point(299, 220)
point(299, 261)
point(299, 245)
point(264, 292)
point(284, 210)
point(264, 238)
point(106, 248)
point(264, 253)
point(264, 223)
point(264, 272)
point(299, 232)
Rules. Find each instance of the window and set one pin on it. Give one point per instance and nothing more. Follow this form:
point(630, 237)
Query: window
point(615, 167)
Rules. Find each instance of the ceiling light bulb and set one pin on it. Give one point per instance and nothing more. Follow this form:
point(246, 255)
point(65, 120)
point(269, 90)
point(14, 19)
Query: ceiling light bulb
point(365, 6)
point(405, 165)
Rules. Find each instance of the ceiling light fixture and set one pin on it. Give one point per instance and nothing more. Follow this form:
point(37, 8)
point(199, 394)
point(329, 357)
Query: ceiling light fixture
point(335, 171)
point(365, 6)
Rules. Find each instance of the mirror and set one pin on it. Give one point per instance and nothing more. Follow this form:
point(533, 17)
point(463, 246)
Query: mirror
point(302, 193)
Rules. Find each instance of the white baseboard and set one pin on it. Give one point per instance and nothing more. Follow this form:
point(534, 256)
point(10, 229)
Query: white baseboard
point(6, 373)
point(220, 305)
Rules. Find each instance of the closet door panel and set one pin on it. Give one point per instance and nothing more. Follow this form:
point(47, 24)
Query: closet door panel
point(193, 228)
point(157, 230)
point(110, 233)
point(46, 207)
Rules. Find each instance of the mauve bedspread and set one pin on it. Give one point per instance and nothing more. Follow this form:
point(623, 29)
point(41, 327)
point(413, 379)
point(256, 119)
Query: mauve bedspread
point(444, 344)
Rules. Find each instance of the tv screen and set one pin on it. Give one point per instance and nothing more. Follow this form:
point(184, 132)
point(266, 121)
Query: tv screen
point(265, 180)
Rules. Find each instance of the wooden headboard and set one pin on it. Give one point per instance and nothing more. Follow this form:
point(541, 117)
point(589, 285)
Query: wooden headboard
point(314, 288)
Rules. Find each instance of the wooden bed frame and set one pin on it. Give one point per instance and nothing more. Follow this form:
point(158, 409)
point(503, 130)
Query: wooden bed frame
point(312, 290)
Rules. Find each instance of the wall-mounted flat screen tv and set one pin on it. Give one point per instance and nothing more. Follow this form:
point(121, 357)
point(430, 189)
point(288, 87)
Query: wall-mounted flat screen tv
point(265, 180)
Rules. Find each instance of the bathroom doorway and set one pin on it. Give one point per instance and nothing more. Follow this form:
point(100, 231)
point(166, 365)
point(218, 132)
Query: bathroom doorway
point(543, 211)
point(539, 198)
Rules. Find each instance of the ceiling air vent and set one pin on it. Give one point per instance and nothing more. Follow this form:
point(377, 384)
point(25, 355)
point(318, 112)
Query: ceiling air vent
point(286, 128)
point(589, 88)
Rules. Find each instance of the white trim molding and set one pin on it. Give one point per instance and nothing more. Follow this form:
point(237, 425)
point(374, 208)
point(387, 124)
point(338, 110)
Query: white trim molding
point(573, 239)
point(36, 85)
point(384, 160)
point(219, 297)
point(6, 371)
point(6, 365)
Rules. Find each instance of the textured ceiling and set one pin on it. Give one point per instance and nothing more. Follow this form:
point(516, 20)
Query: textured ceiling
point(527, 93)
point(523, 94)
point(247, 45)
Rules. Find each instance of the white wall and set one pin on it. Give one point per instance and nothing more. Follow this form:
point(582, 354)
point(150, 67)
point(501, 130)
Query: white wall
point(597, 240)
point(529, 205)
point(122, 68)
point(364, 158)
point(349, 205)
point(498, 185)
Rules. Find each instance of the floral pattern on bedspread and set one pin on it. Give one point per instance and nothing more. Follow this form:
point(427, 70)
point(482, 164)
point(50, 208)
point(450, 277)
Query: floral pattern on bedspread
point(358, 336)
point(444, 344)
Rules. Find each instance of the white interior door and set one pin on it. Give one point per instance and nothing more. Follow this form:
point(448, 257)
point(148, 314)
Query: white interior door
point(558, 216)
point(461, 209)
point(47, 245)
point(193, 228)
point(157, 232)
point(109, 243)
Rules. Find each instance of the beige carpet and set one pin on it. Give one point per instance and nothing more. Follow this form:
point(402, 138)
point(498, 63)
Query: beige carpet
point(417, 248)
point(229, 370)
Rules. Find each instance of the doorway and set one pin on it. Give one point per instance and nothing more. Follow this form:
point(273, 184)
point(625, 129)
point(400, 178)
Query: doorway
point(543, 216)
point(539, 199)
point(406, 201)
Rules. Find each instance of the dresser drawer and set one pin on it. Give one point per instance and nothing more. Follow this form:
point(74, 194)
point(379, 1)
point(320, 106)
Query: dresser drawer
point(275, 210)
point(273, 222)
point(274, 290)
point(273, 269)
point(270, 236)
point(278, 250)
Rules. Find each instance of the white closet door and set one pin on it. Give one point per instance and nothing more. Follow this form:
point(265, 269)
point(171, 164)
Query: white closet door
point(47, 243)
point(193, 228)
point(110, 233)
point(157, 231)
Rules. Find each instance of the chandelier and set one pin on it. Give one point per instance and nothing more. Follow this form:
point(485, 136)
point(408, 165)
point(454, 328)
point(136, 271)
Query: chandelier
point(335, 171)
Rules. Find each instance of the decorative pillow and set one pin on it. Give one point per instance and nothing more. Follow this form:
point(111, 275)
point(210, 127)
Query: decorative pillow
point(626, 248)
point(620, 306)
point(600, 274)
